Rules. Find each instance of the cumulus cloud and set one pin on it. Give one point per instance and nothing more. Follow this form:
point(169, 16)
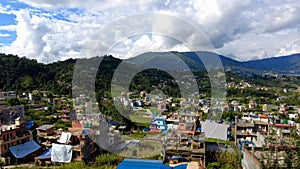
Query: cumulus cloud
point(57, 30)
point(4, 34)
point(8, 28)
point(5, 9)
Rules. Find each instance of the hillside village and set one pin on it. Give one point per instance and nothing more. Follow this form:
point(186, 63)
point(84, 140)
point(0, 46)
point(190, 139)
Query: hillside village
point(155, 84)
point(36, 127)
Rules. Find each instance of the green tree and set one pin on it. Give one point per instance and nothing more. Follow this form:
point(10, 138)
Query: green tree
point(13, 102)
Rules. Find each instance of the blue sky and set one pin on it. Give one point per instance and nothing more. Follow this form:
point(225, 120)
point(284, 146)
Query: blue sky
point(57, 30)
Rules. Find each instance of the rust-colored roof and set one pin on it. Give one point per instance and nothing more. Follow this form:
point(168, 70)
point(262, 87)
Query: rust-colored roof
point(264, 116)
point(282, 125)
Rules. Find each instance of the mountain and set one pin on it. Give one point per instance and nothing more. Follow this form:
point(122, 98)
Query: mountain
point(23, 74)
point(281, 65)
point(174, 60)
point(284, 64)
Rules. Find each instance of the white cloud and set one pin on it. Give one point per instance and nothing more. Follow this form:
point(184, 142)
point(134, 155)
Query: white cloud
point(8, 28)
point(51, 30)
point(252, 46)
point(5, 9)
point(4, 35)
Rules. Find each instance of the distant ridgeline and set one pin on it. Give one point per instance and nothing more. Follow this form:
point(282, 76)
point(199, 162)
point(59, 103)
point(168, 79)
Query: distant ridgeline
point(24, 75)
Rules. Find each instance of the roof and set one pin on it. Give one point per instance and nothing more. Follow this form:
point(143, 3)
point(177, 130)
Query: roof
point(65, 137)
point(22, 150)
point(29, 125)
point(282, 125)
point(215, 130)
point(45, 127)
point(149, 164)
point(264, 116)
point(46, 154)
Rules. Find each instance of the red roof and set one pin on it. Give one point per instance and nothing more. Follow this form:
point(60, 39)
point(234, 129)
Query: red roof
point(76, 124)
point(264, 116)
point(281, 146)
point(282, 125)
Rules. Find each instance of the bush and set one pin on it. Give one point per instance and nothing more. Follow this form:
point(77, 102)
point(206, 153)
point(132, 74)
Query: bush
point(108, 159)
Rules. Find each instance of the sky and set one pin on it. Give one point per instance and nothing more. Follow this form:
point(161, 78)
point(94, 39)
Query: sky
point(53, 30)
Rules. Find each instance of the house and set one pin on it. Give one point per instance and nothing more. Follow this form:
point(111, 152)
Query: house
point(12, 135)
point(161, 106)
point(249, 161)
point(184, 144)
point(272, 157)
point(252, 104)
point(241, 108)
point(244, 130)
point(269, 107)
point(2, 103)
point(8, 115)
point(293, 116)
point(283, 109)
point(65, 114)
point(216, 130)
point(45, 130)
point(157, 125)
point(282, 129)
point(57, 102)
point(8, 95)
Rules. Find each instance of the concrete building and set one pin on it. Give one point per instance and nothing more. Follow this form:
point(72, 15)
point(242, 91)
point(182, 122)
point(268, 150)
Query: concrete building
point(3, 103)
point(244, 130)
point(8, 115)
point(12, 135)
point(45, 130)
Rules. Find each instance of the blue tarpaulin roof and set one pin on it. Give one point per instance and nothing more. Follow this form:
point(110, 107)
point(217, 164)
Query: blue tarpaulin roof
point(113, 122)
point(29, 124)
point(46, 154)
point(86, 132)
point(22, 150)
point(149, 164)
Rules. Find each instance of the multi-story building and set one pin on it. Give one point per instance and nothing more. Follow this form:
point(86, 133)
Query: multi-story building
point(8, 115)
point(244, 130)
point(66, 114)
point(3, 103)
point(12, 135)
point(252, 104)
point(45, 130)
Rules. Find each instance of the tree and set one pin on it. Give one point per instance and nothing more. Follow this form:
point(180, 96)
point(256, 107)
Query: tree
point(13, 101)
point(214, 165)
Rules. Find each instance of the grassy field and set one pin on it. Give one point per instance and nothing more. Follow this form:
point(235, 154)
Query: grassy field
point(140, 118)
point(153, 109)
point(144, 150)
point(219, 141)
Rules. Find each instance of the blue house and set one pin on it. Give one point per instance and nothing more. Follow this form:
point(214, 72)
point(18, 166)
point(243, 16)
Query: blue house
point(158, 125)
